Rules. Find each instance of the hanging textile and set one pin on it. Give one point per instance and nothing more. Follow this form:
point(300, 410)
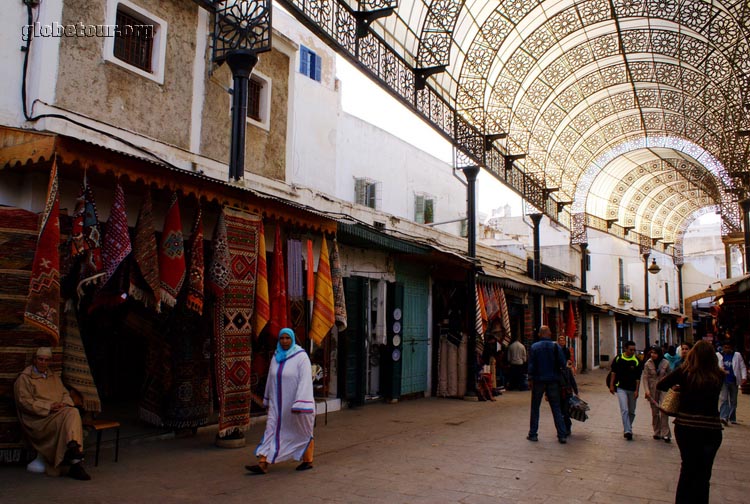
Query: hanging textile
point(310, 271)
point(86, 237)
point(323, 311)
point(296, 290)
point(570, 324)
point(504, 314)
point(233, 321)
point(117, 244)
point(262, 304)
point(481, 321)
point(528, 327)
point(337, 280)
point(278, 319)
point(188, 399)
point(491, 304)
point(144, 280)
point(195, 275)
point(172, 254)
point(18, 237)
point(76, 373)
point(218, 270)
point(43, 302)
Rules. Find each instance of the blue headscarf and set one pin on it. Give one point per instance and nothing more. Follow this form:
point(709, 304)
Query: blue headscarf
point(281, 354)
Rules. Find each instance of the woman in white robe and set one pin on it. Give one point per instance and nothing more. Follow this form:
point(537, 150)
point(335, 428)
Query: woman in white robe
point(291, 408)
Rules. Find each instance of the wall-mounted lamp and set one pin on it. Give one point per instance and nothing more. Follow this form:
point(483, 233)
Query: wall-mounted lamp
point(654, 268)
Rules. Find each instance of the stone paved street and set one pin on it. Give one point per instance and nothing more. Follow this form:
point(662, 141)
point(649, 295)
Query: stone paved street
point(424, 451)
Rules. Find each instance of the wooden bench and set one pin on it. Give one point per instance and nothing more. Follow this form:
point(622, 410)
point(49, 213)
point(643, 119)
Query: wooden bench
point(100, 426)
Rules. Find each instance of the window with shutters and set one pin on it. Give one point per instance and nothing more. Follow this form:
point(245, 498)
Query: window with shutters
point(367, 192)
point(253, 99)
point(137, 41)
point(424, 208)
point(309, 63)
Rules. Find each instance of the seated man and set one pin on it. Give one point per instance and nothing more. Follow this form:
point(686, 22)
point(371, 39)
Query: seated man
point(48, 416)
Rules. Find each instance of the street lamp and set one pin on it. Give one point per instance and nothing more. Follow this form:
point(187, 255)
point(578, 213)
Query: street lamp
point(653, 269)
point(242, 30)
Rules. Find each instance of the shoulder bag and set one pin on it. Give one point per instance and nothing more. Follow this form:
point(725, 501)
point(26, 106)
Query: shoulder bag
point(670, 403)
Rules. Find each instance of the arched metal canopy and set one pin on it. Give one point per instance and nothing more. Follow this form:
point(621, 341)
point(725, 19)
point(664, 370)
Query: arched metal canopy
point(629, 116)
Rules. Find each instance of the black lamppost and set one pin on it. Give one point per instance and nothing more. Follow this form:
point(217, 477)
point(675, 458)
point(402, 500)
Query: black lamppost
point(242, 30)
point(653, 269)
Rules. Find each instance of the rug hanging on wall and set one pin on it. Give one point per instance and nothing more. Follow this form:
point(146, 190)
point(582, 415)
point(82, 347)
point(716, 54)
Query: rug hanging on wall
point(296, 290)
point(233, 319)
point(86, 237)
point(172, 255)
point(76, 373)
point(43, 304)
point(188, 400)
point(144, 278)
point(323, 316)
point(195, 271)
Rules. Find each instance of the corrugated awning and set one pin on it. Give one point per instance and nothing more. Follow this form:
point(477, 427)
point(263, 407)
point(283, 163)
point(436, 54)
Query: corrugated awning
point(512, 280)
point(613, 310)
point(570, 292)
point(360, 235)
point(28, 148)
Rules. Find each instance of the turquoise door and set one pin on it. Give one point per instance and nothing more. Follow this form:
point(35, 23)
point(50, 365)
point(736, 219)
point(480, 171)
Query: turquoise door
point(415, 333)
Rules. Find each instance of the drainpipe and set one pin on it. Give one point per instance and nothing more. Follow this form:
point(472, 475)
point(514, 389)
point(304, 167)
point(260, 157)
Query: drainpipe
point(471, 173)
point(536, 218)
point(584, 310)
point(745, 204)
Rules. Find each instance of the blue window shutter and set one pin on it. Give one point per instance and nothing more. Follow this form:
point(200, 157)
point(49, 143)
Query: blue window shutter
point(318, 60)
point(304, 60)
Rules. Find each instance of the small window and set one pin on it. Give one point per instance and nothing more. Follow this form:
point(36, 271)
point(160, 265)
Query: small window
point(424, 208)
point(309, 63)
point(135, 39)
point(254, 89)
point(367, 192)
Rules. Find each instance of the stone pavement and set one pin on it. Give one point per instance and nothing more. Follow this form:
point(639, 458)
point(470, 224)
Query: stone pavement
point(422, 451)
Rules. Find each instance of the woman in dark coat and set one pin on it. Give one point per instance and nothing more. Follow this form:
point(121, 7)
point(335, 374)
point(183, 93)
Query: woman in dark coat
point(697, 427)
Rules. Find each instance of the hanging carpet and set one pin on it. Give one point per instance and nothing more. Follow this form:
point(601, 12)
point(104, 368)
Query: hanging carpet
point(76, 373)
point(117, 244)
point(296, 290)
point(323, 316)
point(233, 320)
point(43, 304)
point(262, 312)
point(86, 237)
point(337, 281)
point(195, 272)
point(188, 400)
point(18, 237)
point(172, 254)
point(504, 314)
point(144, 278)
point(278, 293)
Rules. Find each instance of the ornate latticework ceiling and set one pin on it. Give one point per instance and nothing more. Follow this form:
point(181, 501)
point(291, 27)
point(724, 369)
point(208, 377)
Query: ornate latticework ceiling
point(634, 113)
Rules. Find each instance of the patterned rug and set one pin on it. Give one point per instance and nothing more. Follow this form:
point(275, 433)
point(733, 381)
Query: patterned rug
point(295, 280)
point(195, 272)
point(262, 303)
point(279, 306)
point(76, 373)
point(43, 304)
point(233, 320)
point(337, 281)
point(323, 316)
point(117, 244)
point(18, 341)
point(188, 400)
point(86, 237)
point(172, 255)
point(144, 281)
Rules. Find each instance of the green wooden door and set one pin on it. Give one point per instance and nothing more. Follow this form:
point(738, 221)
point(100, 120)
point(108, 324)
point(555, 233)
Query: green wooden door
point(352, 343)
point(415, 332)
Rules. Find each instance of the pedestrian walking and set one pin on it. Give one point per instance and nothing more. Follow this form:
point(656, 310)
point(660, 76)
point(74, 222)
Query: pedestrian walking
point(517, 361)
point(697, 427)
point(291, 408)
point(625, 382)
point(546, 361)
point(677, 357)
point(656, 368)
point(735, 373)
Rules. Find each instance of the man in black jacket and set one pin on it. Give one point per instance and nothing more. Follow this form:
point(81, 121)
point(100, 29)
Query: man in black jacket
point(625, 382)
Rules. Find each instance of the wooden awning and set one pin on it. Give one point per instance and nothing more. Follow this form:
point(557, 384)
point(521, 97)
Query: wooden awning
point(32, 150)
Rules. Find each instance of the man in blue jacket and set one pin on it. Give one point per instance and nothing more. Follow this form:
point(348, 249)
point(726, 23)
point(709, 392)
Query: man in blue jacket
point(546, 361)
